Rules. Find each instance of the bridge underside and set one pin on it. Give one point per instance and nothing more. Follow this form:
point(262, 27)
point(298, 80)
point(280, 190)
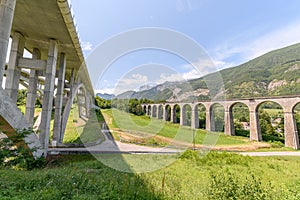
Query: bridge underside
point(46, 29)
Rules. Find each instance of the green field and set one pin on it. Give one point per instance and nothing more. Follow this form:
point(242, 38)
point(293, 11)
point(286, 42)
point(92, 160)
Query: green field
point(118, 120)
point(215, 176)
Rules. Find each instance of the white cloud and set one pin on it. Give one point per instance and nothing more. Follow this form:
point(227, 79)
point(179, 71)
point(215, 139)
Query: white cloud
point(86, 46)
point(282, 37)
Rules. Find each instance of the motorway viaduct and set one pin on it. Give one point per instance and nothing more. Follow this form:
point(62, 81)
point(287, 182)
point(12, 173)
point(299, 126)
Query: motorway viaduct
point(288, 105)
point(56, 72)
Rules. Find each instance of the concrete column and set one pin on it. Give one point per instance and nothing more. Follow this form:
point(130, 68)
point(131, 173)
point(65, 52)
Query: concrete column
point(48, 95)
point(173, 114)
point(7, 8)
point(87, 104)
point(229, 124)
point(255, 131)
point(290, 131)
point(210, 120)
point(165, 113)
point(13, 72)
point(183, 121)
point(195, 118)
point(59, 100)
point(32, 91)
point(72, 81)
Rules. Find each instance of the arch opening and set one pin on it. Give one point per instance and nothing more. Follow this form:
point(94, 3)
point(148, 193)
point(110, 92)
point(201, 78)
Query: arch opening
point(201, 109)
point(186, 117)
point(241, 119)
point(217, 117)
point(271, 121)
point(177, 110)
point(167, 113)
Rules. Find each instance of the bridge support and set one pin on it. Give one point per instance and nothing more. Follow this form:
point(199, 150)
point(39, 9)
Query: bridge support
point(290, 131)
point(7, 8)
point(183, 118)
point(173, 114)
point(48, 95)
point(13, 72)
point(59, 100)
point(229, 124)
point(255, 131)
point(159, 114)
point(165, 113)
point(195, 118)
point(153, 111)
point(210, 120)
point(32, 91)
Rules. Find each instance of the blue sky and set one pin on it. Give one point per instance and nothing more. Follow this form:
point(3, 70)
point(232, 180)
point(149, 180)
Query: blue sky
point(230, 31)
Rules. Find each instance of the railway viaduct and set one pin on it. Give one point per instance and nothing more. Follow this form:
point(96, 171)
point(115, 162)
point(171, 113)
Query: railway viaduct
point(287, 103)
point(56, 72)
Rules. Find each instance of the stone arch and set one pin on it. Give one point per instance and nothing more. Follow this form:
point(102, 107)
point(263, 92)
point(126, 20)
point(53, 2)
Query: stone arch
point(145, 109)
point(160, 111)
point(271, 124)
point(239, 114)
point(200, 110)
point(175, 113)
point(167, 112)
point(149, 110)
point(11, 119)
point(186, 115)
point(154, 111)
point(217, 111)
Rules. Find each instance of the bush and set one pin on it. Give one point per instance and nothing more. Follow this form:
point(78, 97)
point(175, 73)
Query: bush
point(14, 154)
point(225, 185)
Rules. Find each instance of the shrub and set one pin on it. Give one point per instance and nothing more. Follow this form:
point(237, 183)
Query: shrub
point(18, 156)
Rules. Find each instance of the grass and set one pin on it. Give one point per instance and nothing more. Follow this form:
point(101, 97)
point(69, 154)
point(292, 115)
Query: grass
point(215, 176)
point(118, 120)
point(77, 129)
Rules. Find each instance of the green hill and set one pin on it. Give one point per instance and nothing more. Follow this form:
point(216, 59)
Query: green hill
point(273, 74)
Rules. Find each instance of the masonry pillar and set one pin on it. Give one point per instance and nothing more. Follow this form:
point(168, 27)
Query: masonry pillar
point(210, 120)
point(255, 131)
point(195, 118)
point(159, 112)
point(229, 124)
point(59, 99)
point(153, 111)
point(173, 114)
point(32, 90)
point(13, 73)
point(165, 113)
point(48, 95)
point(7, 8)
point(183, 121)
point(290, 131)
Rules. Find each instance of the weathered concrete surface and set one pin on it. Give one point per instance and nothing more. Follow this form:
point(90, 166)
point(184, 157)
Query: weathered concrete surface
point(7, 8)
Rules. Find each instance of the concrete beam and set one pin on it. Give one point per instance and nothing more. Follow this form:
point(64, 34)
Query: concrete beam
point(7, 8)
point(35, 64)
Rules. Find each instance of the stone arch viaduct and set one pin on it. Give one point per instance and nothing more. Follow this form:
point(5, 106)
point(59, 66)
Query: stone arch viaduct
point(287, 103)
point(56, 69)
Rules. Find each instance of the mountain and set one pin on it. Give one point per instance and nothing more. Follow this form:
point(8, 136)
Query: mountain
point(106, 96)
point(272, 74)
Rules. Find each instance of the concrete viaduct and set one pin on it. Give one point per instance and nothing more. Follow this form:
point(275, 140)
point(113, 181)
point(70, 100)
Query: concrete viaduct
point(56, 71)
point(288, 105)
